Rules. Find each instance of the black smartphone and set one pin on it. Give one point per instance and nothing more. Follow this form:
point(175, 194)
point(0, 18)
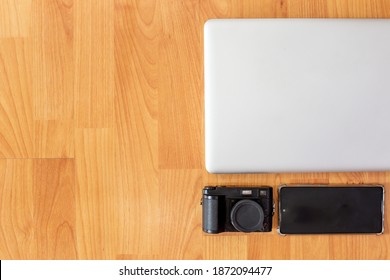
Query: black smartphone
point(323, 209)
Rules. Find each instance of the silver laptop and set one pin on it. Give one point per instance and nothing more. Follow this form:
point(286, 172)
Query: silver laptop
point(297, 95)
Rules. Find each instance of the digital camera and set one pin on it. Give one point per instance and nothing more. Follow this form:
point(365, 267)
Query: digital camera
point(245, 209)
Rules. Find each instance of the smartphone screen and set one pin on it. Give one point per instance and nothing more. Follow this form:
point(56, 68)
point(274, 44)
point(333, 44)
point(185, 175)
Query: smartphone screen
point(330, 209)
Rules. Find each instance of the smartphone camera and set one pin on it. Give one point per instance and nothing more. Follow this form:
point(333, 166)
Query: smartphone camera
point(237, 209)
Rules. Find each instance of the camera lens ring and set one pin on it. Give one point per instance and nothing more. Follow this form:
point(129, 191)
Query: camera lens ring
point(247, 216)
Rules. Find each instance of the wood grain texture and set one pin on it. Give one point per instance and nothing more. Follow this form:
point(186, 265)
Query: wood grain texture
point(136, 111)
point(54, 208)
point(97, 224)
point(15, 17)
point(17, 240)
point(181, 239)
point(180, 89)
point(16, 119)
point(244, 9)
point(37, 209)
point(226, 246)
point(102, 134)
point(53, 139)
point(94, 63)
point(51, 46)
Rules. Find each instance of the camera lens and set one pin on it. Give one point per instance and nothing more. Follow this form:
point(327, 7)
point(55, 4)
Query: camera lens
point(247, 216)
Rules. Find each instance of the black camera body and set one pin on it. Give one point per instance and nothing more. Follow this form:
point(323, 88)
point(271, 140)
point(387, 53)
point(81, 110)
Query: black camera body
point(232, 209)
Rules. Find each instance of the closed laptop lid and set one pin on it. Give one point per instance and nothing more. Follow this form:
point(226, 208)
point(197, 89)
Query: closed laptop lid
point(297, 95)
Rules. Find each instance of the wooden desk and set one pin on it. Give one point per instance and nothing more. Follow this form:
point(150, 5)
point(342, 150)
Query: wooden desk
point(101, 133)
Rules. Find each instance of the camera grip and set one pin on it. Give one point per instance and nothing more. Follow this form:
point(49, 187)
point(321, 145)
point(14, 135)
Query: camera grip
point(210, 214)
